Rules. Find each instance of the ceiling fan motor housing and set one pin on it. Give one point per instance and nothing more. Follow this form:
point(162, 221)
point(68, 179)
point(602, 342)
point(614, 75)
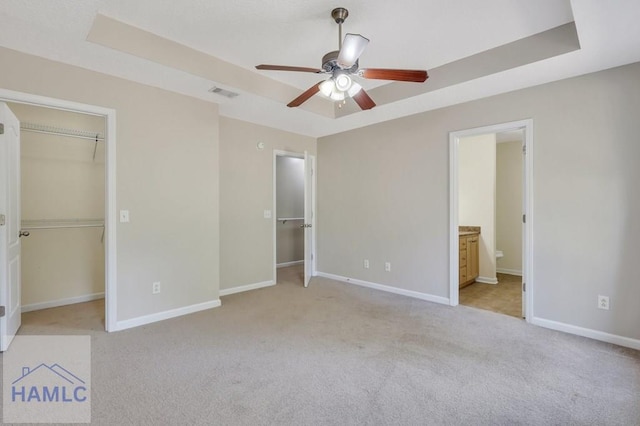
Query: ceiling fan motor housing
point(330, 64)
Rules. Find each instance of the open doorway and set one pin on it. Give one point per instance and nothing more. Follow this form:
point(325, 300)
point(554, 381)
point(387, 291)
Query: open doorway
point(294, 206)
point(62, 195)
point(490, 200)
point(102, 185)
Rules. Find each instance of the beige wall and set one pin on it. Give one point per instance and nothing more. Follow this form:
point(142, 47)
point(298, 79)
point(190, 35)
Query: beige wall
point(167, 177)
point(477, 196)
point(246, 190)
point(61, 180)
point(509, 206)
point(289, 203)
point(383, 194)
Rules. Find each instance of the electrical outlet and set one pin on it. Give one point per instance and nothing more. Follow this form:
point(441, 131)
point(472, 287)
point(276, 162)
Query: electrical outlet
point(387, 266)
point(155, 289)
point(366, 264)
point(603, 302)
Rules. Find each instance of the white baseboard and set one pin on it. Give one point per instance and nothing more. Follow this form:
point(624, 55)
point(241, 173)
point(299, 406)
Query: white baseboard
point(388, 289)
point(285, 264)
point(172, 313)
point(486, 280)
point(587, 332)
point(62, 302)
point(240, 289)
point(509, 271)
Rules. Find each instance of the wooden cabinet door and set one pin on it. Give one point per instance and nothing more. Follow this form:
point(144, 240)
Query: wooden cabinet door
point(473, 268)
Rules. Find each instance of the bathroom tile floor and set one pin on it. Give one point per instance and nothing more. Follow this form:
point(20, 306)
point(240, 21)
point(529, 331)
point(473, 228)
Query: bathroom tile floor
point(504, 297)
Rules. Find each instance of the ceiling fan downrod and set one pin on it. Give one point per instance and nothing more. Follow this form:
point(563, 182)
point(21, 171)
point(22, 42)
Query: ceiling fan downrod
point(339, 14)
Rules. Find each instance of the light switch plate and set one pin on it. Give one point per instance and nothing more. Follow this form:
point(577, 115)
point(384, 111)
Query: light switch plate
point(124, 216)
point(267, 214)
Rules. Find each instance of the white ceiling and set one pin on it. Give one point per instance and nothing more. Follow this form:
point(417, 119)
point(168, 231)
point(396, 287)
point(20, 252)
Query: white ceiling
point(417, 34)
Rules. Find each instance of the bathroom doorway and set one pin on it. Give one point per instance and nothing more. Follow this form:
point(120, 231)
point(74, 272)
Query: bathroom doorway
point(490, 179)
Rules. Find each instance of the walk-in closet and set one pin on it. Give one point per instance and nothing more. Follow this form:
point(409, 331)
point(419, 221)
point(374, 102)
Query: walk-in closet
point(62, 206)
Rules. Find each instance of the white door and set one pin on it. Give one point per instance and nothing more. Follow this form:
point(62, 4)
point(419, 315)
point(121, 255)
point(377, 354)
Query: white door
point(9, 226)
point(308, 219)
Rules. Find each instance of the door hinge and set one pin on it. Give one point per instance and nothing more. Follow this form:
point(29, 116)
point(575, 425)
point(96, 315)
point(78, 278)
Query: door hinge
point(524, 218)
point(2, 310)
point(524, 149)
point(1, 128)
point(524, 286)
point(3, 219)
point(311, 256)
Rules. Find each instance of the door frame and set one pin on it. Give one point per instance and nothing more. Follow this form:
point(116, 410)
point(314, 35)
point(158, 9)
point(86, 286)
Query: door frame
point(110, 216)
point(280, 153)
point(527, 187)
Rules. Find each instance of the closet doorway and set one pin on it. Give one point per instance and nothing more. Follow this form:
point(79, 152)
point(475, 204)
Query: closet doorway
point(67, 189)
point(294, 206)
point(62, 208)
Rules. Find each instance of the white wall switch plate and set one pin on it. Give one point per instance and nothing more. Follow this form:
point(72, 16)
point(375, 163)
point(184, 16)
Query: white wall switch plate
point(124, 215)
point(267, 214)
point(387, 266)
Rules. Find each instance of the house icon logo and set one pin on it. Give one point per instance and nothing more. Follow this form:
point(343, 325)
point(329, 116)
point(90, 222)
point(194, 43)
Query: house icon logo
point(48, 383)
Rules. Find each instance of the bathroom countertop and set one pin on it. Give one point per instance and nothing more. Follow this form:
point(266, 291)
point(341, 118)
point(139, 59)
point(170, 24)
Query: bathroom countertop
point(468, 230)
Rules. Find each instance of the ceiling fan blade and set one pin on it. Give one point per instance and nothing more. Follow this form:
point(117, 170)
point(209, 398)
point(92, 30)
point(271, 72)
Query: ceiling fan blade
point(287, 68)
point(352, 47)
point(363, 100)
point(306, 95)
point(416, 76)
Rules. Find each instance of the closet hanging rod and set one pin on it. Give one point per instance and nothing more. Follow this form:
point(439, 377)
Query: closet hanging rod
point(30, 225)
point(285, 219)
point(59, 131)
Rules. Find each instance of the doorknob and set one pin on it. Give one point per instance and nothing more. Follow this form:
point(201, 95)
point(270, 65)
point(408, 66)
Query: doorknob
point(24, 234)
point(305, 225)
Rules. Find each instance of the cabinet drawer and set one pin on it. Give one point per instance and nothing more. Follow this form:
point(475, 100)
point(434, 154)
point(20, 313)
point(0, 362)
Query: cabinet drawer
point(463, 258)
point(462, 276)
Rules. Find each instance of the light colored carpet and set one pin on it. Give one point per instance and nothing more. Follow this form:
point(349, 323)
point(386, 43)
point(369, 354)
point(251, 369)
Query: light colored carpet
point(337, 354)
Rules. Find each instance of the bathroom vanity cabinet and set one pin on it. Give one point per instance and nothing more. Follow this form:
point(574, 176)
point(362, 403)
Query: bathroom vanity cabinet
point(469, 257)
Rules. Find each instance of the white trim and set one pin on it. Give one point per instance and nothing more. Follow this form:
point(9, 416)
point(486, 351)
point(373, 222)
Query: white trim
point(293, 263)
point(386, 288)
point(172, 313)
point(248, 287)
point(527, 261)
point(61, 302)
point(110, 253)
point(509, 271)
point(587, 332)
point(486, 280)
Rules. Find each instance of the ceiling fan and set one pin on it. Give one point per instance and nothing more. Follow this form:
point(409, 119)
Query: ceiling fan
point(343, 63)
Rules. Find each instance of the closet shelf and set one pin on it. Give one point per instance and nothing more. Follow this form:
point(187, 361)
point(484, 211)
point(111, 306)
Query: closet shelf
point(29, 225)
point(285, 219)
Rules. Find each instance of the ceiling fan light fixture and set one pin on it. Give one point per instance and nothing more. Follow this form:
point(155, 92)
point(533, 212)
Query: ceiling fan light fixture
point(337, 95)
point(343, 82)
point(354, 89)
point(352, 48)
point(327, 87)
